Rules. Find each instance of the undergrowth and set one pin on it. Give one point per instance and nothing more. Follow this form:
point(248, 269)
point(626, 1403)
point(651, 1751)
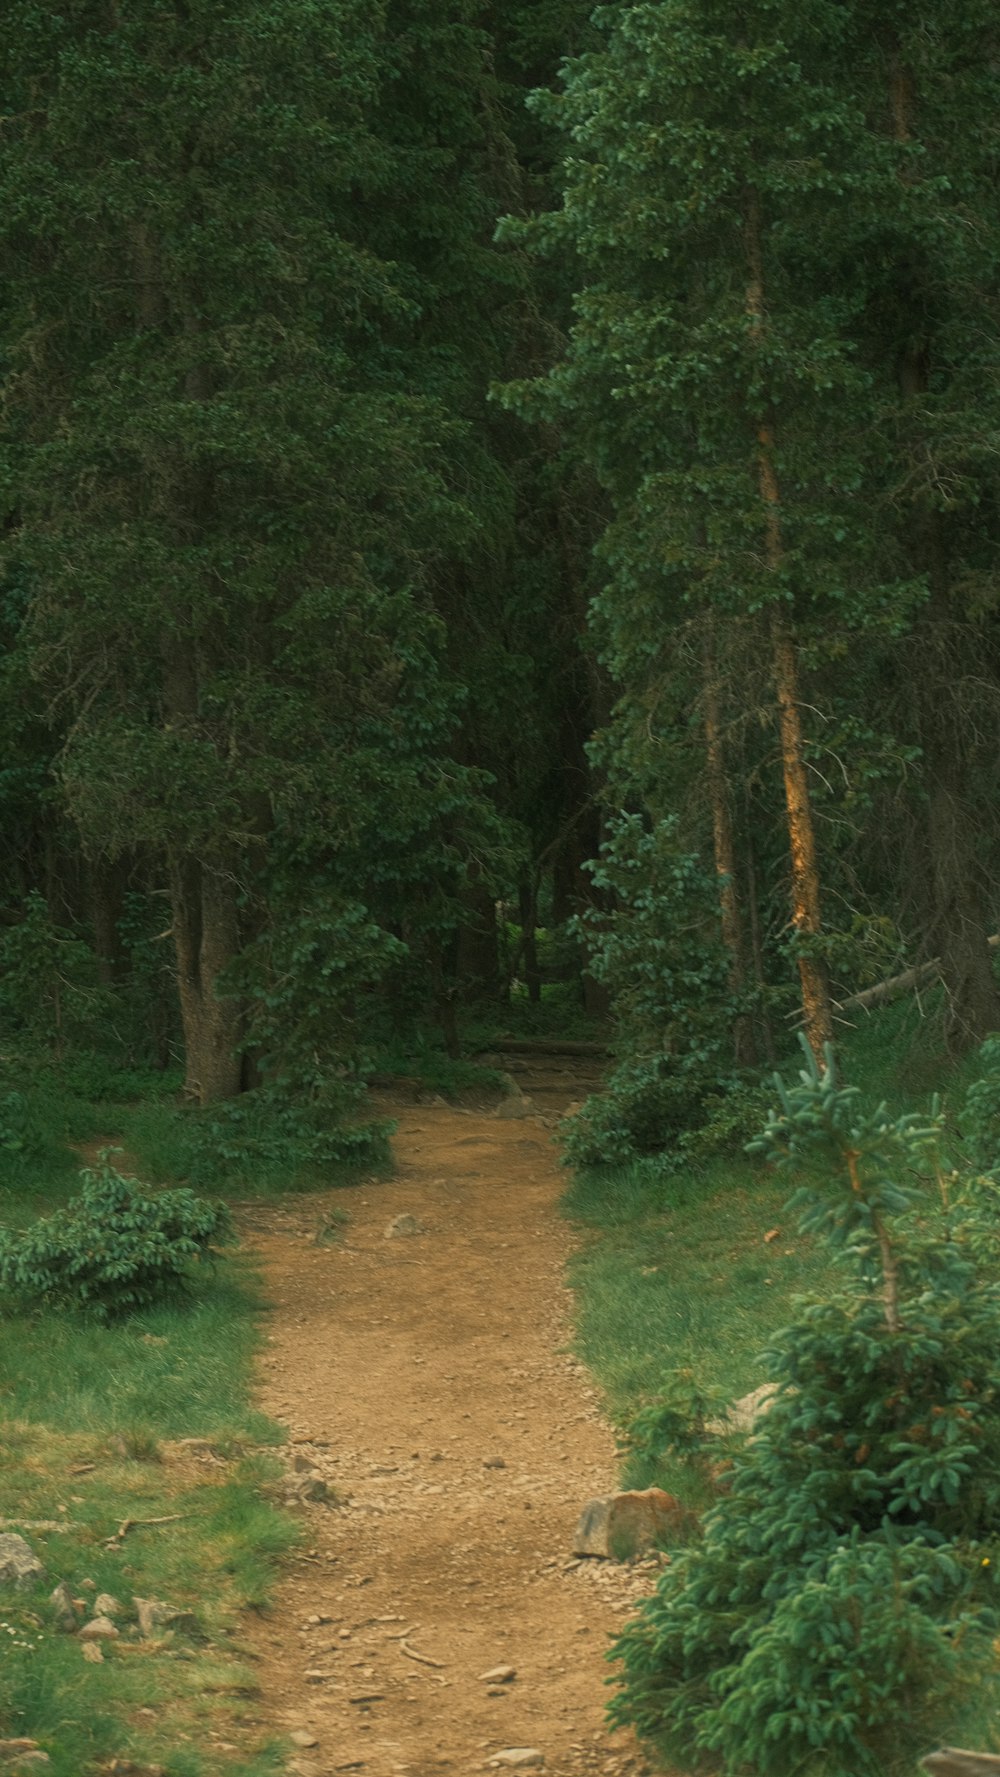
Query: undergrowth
point(690, 1267)
point(96, 1419)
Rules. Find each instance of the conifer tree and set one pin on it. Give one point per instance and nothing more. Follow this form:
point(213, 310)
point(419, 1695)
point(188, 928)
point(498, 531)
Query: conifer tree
point(224, 492)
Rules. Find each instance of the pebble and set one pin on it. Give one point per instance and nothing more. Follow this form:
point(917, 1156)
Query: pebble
point(517, 1757)
point(402, 1227)
point(99, 1629)
point(92, 1652)
point(302, 1737)
point(499, 1675)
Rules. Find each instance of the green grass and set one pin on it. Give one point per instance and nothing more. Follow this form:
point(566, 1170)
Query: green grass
point(677, 1274)
point(257, 1151)
point(92, 1420)
point(92, 1423)
point(675, 1271)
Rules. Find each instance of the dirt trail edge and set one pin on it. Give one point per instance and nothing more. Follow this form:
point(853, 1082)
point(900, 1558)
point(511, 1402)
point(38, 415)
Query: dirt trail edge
point(425, 1375)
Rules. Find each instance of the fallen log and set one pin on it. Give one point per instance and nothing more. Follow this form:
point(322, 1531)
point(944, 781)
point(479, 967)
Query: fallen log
point(919, 976)
point(952, 1761)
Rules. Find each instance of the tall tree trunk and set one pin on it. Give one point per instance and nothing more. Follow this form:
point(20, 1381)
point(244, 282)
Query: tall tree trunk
point(104, 886)
point(757, 945)
point(206, 941)
point(527, 895)
point(724, 847)
point(960, 925)
point(478, 944)
point(805, 879)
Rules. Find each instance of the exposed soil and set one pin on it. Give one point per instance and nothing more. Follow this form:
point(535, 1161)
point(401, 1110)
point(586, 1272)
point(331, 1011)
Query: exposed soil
point(427, 1377)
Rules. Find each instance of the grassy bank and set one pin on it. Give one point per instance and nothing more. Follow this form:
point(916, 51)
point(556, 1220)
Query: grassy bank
point(133, 1463)
point(695, 1266)
point(688, 1271)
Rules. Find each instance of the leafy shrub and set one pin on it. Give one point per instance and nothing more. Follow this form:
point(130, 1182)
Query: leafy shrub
point(116, 1249)
point(647, 1107)
point(729, 1121)
point(980, 1115)
point(265, 1128)
point(50, 994)
point(20, 1133)
point(653, 943)
point(838, 1615)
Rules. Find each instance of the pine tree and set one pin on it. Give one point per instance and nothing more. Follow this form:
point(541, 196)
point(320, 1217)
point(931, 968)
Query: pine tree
point(225, 494)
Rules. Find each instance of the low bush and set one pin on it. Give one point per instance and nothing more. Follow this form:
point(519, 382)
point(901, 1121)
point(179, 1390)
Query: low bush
point(839, 1614)
point(116, 1249)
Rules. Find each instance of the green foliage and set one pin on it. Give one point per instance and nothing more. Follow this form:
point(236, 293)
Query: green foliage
point(118, 1248)
point(306, 979)
point(676, 1422)
point(22, 1135)
point(268, 1140)
point(839, 1613)
point(49, 992)
point(979, 1116)
point(249, 1135)
point(654, 942)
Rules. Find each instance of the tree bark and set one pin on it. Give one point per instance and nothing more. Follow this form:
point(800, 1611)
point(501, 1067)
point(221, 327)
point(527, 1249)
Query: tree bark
point(724, 848)
point(528, 914)
point(478, 945)
point(206, 941)
point(805, 879)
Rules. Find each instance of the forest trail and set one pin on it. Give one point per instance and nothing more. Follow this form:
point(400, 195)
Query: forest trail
point(426, 1377)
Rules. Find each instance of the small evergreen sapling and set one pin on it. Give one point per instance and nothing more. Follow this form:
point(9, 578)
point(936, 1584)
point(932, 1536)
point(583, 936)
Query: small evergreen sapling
point(117, 1249)
point(837, 1616)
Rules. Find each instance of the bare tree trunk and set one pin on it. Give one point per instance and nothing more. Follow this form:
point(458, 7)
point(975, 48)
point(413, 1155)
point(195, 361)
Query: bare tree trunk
point(104, 886)
point(478, 944)
point(528, 915)
point(206, 941)
point(744, 1051)
point(757, 946)
point(805, 881)
point(961, 929)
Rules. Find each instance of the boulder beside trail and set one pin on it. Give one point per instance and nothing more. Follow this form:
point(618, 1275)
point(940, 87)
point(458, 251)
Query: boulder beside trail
point(622, 1525)
point(743, 1415)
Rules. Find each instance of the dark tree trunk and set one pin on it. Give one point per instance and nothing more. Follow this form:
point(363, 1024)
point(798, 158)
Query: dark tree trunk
point(206, 940)
point(478, 945)
point(959, 924)
point(105, 883)
point(724, 848)
point(961, 928)
point(528, 913)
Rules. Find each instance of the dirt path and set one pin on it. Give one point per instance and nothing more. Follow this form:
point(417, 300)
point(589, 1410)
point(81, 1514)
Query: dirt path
point(425, 1376)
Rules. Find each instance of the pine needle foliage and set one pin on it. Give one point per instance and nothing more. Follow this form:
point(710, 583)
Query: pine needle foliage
point(837, 1616)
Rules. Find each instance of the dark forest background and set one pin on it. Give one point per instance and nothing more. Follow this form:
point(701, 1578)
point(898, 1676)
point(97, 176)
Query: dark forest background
point(499, 531)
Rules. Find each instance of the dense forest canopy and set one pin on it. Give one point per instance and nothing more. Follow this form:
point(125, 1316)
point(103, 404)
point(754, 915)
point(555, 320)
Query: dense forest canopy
point(498, 504)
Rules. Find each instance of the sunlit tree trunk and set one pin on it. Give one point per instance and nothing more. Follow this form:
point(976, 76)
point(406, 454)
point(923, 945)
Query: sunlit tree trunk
point(805, 879)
